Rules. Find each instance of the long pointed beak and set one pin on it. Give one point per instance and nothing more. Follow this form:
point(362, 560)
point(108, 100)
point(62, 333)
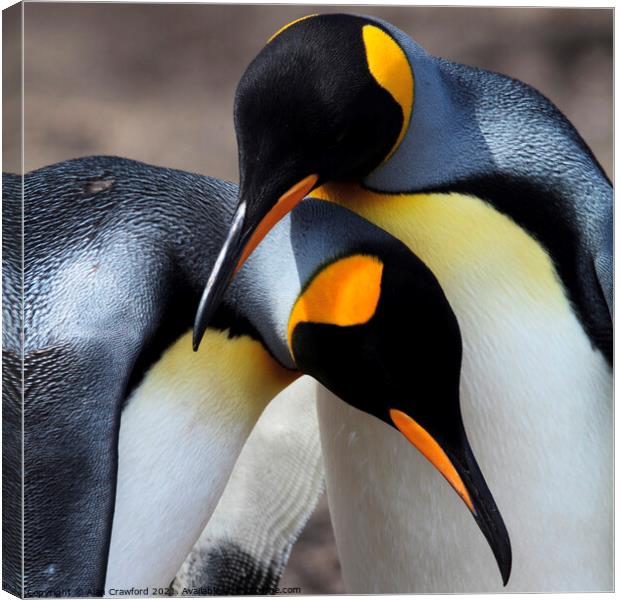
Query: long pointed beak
point(220, 276)
point(241, 241)
point(460, 469)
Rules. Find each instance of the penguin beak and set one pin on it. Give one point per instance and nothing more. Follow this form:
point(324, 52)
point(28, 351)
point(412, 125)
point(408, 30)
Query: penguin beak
point(457, 464)
point(243, 237)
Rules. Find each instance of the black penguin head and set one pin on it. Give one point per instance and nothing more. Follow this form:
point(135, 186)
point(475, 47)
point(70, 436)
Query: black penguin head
point(379, 333)
point(329, 98)
point(317, 99)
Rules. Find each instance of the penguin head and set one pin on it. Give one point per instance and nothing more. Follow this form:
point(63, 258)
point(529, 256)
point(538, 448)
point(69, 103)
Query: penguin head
point(328, 95)
point(377, 330)
point(329, 98)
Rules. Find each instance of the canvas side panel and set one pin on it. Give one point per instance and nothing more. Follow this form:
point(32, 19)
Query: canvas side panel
point(12, 89)
point(12, 244)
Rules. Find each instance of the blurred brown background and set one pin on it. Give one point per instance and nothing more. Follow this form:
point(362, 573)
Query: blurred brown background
point(156, 83)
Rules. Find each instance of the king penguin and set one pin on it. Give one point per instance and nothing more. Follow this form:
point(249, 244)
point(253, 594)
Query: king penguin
point(489, 184)
point(113, 274)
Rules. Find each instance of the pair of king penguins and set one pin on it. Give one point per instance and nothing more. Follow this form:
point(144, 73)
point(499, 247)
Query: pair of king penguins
point(129, 436)
point(494, 190)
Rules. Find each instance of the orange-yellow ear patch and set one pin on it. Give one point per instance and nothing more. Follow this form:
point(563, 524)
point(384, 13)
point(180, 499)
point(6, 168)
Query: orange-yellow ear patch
point(344, 293)
point(277, 33)
point(389, 66)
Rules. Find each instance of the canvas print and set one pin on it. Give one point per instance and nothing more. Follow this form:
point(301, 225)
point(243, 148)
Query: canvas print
point(306, 299)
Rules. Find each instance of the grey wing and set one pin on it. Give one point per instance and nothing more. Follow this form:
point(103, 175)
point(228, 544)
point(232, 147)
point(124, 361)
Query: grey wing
point(72, 398)
point(604, 265)
point(271, 493)
point(60, 403)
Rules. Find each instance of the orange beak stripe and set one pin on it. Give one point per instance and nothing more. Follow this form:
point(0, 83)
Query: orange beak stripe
point(427, 445)
point(282, 207)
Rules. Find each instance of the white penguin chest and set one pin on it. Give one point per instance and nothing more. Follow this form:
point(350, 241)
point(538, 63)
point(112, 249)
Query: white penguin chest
point(180, 436)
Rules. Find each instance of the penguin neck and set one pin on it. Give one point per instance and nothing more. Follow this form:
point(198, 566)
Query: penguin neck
point(288, 258)
point(483, 134)
point(468, 124)
point(471, 248)
point(252, 299)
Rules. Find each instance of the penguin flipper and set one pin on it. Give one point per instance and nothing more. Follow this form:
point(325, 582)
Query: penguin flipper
point(72, 396)
point(604, 267)
point(269, 497)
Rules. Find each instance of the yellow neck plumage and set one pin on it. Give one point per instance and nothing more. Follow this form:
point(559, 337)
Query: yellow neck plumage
point(456, 236)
